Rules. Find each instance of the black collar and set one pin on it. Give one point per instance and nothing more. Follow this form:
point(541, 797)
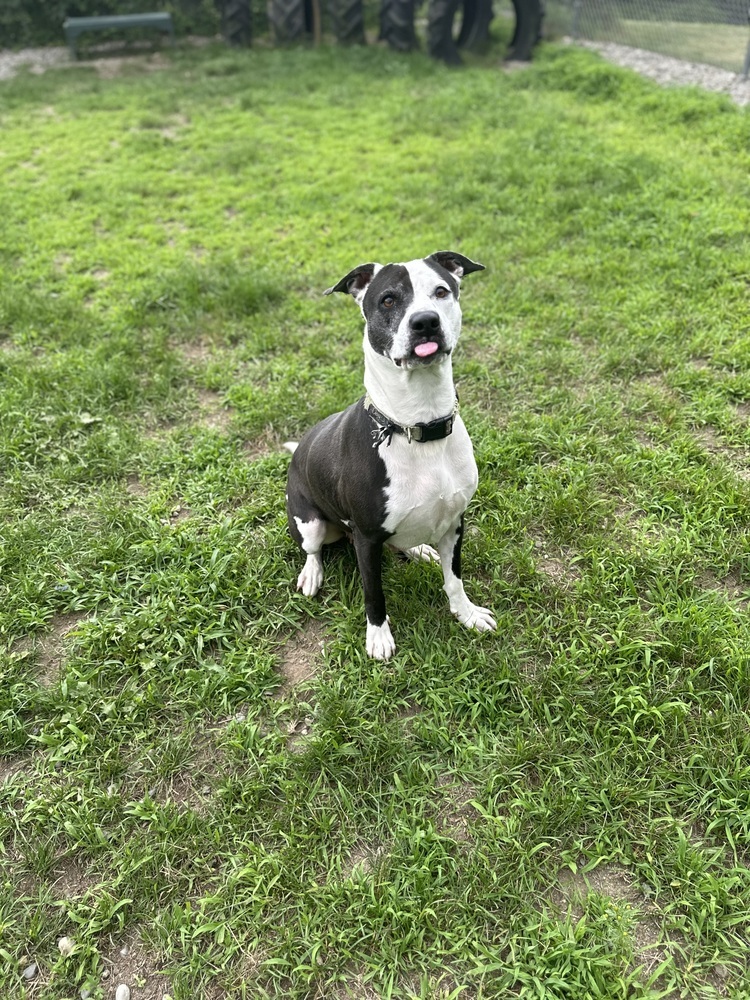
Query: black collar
point(385, 428)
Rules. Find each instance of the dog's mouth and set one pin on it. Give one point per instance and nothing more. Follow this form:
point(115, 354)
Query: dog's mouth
point(427, 352)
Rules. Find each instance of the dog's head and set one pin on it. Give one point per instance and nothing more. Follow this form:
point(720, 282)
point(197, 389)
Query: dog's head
point(411, 310)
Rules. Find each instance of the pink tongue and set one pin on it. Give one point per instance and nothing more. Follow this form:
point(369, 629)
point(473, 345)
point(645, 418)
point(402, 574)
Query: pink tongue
point(425, 350)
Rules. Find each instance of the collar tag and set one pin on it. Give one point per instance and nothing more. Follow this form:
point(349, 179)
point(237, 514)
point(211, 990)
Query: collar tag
point(385, 428)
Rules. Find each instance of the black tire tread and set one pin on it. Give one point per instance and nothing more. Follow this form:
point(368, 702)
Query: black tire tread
point(397, 24)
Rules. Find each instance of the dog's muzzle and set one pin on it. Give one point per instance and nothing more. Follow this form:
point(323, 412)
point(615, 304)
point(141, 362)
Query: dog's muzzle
point(426, 336)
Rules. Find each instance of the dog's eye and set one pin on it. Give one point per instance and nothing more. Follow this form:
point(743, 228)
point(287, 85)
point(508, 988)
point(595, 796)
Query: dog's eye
point(441, 292)
point(388, 301)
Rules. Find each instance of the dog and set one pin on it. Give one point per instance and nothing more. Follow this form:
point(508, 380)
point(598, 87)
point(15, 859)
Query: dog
point(397, 467)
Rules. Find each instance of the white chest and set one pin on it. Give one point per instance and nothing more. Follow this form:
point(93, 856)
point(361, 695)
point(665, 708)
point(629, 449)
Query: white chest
point(430, 486)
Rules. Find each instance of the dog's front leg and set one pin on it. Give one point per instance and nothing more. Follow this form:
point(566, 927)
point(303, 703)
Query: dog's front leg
point(467, 613)
point(380, 644)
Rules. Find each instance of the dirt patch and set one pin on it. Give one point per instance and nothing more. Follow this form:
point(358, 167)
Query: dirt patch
point(644, 441)
point(176, 514)
point(213, 413)
point(189, 786)
point(267, 443)
point(409, 713)
point(69, 878)
point(617, 883)
point(355, 989)
point(708, 438)
point(455, 812)
point(187, 789)
point(128, 961)
point(196, 351)
point(298, 733)
point(10, 768)
point(364, 857)
point(50, 651)
point(731, 587)
point(300, 657)
point(135, 487)
point(112, 66)
point(556, 562)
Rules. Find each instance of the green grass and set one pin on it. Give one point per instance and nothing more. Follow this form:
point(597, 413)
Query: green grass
point(558, 810)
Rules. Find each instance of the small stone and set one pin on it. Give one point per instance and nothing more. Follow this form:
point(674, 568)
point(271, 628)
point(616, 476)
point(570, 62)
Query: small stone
point(85, 994)
point(122, 992)
point(105, 974)
point(30, 971)
point(125, 950)
point(66, 946)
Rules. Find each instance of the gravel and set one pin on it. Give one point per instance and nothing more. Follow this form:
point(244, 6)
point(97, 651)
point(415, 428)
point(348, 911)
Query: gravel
point(669, 71)
point(37, 60)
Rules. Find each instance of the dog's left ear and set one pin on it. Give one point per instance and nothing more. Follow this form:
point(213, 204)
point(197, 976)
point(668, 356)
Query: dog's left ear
point(356, 281)
point(456, 263)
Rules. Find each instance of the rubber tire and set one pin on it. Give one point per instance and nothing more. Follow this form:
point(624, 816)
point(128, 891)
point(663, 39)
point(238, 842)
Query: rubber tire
point(348, 21)
point(475, 27)
point(236, 22)
point(528, 30)
point(440, 42)
point(290, 20)
point(397, 24)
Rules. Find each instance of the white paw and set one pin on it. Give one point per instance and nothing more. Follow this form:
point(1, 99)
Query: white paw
point(379, 643)
point(477, 618)
point(311, 577)
point(423, 553)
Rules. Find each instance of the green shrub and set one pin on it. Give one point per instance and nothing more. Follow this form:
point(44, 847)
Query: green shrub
point(39, 22)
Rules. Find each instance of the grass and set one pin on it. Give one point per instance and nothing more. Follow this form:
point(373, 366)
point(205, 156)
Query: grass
point(559, 810)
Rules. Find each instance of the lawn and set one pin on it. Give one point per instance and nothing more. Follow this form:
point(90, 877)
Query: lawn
point(205, 785)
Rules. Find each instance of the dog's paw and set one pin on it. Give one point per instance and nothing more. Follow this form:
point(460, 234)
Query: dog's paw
point(310, 579)
point(379, 643)
point(478, 618)
point(423, 553)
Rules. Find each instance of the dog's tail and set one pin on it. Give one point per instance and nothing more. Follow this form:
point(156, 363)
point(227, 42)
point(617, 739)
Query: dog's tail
point(291, 446)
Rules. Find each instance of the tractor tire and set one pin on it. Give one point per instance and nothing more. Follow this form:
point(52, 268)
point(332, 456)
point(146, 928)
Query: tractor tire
point(236, 22)
point(440, 42)
point(475, 26)
point(290, 20)
point(444, 41)
point(397, 24)
point(528, 30)
point(348, 21)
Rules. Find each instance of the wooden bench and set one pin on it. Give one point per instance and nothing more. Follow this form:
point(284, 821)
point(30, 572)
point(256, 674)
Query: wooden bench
point(74, 26)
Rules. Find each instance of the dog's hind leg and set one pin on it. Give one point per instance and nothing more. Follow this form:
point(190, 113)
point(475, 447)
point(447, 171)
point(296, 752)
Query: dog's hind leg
point(312, 535)
point(421, 553)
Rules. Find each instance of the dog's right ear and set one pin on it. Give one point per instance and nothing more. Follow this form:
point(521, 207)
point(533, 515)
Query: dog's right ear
point(356, 281)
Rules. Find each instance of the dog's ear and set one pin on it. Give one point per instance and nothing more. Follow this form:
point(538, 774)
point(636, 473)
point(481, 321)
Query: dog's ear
point(456, 263)
point(356, 281)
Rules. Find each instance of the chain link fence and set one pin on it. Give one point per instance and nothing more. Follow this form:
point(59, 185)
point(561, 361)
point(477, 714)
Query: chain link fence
point(705, 31)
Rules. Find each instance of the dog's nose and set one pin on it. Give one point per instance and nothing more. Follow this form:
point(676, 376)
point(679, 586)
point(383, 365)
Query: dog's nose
point(424, 324)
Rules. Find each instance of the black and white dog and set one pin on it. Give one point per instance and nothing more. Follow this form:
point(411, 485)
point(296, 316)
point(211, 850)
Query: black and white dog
point(397, 467)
